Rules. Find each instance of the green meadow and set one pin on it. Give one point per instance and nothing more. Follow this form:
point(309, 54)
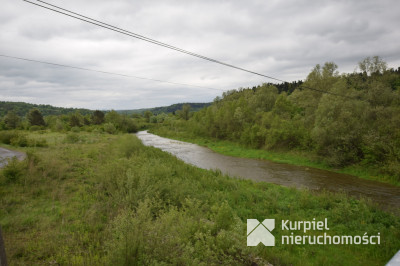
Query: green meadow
point(91, 198)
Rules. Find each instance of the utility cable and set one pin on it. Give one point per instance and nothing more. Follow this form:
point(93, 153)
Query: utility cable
point(105, 72)
point(141, 37)
point(135, 35)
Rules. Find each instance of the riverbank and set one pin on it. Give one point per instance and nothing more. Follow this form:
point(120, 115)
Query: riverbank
point(385, 195)
point(95, 199)
point(299, 158)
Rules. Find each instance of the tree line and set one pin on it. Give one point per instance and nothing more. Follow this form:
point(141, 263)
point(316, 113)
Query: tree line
point(22, 109)
point(15, 115)
point(110, 122)
point(166, 109)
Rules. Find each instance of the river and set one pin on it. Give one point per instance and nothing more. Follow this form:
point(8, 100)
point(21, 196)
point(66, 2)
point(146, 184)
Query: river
point(5, 155)
point(386, 195)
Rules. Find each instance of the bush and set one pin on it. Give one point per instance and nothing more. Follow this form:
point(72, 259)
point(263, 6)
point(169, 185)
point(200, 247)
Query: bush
point(97, 130)
point(87, 128)
point(75, 129)
point(392, 169)
point(130, 126)
point(35, 128)
point(37, 143)
point(109, 128)
point(72, 138)
point(19, 141)
point(59, 126)
point(153, 119)
point(7, 136)
point(13, 171)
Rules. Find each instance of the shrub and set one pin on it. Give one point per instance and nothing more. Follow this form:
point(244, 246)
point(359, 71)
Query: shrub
point(7, 136)
point(109, 128)
point(87, 128)
point(153, 119)
point(37, 143)
point(130, 126)
point(72, 138)
point(35, 128)
point(75, 129)
point(97, 130)
point(19, 141)
point(59, 126)
point(13, 171)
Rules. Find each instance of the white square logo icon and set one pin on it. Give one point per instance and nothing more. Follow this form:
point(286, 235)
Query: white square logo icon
point(260, 232)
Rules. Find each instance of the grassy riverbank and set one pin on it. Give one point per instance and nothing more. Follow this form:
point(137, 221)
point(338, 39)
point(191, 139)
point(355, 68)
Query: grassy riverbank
point(300, 158)
point(100, 199)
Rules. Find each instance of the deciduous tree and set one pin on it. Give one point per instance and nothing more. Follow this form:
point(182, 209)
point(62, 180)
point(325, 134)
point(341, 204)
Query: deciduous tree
point(35, 118)
point(12, 120)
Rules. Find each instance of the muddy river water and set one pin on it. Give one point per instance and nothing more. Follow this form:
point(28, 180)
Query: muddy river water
point(277, 173)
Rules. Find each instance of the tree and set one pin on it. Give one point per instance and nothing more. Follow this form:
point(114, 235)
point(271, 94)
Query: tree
point(339, 126)
point(75, 120)
point(127, 124)
point(147, 115)
point(35, 118)
point(98, 117)
point(114, 118)
point(87, 120)
point(184, 113)
point(372, 65)
point(308, 98)
point(12, 120)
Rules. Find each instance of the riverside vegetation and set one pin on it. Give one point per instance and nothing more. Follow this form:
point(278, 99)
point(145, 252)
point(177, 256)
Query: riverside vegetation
point(353, 128)
point(107, 199)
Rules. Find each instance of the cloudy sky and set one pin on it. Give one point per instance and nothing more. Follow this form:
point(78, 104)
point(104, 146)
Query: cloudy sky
point(283, 39)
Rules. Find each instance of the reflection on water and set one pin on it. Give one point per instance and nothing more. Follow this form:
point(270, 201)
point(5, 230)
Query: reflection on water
point(277, 173)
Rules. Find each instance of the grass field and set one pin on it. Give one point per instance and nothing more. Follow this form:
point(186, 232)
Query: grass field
point(100, 199)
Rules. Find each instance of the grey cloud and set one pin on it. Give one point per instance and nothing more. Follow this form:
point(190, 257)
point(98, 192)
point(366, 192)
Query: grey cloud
point(284, 39)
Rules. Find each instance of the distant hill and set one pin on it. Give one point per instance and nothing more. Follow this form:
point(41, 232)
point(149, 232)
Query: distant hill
point(23, 108)
point(166, 109)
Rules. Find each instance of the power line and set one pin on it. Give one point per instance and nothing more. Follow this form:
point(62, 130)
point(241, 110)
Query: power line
point(105, 72)
point(141, 37)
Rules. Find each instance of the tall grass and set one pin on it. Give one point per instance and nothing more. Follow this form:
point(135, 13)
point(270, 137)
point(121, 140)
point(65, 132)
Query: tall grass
point(107, 199)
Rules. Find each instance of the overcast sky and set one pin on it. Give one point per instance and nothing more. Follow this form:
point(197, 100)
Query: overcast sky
point(283, 39)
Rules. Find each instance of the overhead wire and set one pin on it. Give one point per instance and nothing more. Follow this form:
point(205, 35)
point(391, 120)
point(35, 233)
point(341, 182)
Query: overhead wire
point(106, 72)
point(141, 37)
